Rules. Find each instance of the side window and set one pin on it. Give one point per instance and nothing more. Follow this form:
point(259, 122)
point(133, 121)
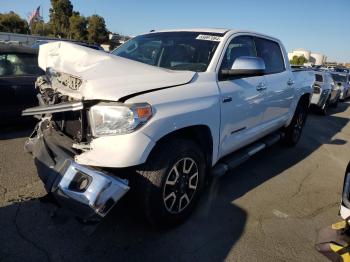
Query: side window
point(270, 51)
point(19, 64)
point(239, 46)
point(318, 78)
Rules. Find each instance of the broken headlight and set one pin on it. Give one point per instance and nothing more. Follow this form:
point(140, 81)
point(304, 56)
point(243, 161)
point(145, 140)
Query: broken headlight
point(118, 119)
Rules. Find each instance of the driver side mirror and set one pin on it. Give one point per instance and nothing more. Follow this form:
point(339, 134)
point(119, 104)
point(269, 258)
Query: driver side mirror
point(245, 66)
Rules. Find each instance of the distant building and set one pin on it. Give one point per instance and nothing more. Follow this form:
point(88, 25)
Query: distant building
point(299, 52)
point(312, 58)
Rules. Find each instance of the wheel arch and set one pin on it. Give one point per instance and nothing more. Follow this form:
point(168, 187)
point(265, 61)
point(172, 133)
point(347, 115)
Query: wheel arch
point(305, 99)
point(200, 134)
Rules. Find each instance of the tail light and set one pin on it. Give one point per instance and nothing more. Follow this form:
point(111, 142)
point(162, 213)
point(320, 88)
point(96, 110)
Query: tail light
point(317, 89)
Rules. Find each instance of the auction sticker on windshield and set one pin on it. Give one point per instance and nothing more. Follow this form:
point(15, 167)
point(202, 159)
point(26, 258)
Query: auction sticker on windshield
point(209, 38)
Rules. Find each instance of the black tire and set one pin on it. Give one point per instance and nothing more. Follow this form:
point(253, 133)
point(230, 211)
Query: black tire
point(295, 128)
point(336, 103)
point(324, 108)
point(154, 177)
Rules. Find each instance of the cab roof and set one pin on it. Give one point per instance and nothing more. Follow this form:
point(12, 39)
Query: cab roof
point(222, 31)
point(200, 30)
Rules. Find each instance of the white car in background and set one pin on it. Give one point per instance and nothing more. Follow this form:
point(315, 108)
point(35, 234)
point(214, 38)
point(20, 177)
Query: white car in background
point(325, 92)
point(343, 82)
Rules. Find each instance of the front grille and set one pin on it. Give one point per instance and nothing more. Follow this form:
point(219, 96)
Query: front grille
point(74, 124)
point(63, 80)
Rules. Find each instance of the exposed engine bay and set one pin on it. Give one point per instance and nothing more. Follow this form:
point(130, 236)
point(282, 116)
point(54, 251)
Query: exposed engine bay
point(66, 114)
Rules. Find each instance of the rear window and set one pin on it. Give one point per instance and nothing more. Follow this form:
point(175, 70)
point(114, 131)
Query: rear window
point(19, 64)
point(319, 78)
point(339, 78)
point(270, 51)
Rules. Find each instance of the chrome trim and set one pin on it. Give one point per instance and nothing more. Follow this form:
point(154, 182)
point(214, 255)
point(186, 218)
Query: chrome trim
point(49, 109)
point(290, 82)
point(64, 80)
point(100, 189)
point(261, 86)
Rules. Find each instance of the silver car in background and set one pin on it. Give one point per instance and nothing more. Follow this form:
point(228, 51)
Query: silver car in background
point(342, 81)
point(325, 91)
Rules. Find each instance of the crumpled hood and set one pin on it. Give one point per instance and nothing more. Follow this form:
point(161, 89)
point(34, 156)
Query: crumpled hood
point(106, 76)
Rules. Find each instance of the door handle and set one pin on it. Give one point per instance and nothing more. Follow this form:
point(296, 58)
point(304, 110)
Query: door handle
point(261, 86)
point(290, 82)
point(227, 99)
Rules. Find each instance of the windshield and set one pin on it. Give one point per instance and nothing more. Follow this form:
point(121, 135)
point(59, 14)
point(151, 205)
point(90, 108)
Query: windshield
point(339, 78)
point(172, 50)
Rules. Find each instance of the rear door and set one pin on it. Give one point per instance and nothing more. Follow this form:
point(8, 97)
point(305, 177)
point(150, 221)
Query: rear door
point(242, 104)
point(279, 82)
point(18, 73)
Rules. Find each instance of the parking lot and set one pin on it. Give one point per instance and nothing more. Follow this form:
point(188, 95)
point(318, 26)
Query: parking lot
point(268, 209)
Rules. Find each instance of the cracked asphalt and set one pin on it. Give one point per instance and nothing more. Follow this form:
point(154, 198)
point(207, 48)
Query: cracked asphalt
point(268, 209)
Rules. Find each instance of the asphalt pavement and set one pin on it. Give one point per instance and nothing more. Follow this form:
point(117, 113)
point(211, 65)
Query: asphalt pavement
point(268, 209)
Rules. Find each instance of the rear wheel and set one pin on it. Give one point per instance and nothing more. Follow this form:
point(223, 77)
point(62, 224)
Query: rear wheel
point(324, 108)
point(335, 104)
point(295, 128)
point(169, 184)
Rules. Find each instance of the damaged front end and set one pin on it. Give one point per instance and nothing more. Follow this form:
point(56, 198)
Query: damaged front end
point(61, 135)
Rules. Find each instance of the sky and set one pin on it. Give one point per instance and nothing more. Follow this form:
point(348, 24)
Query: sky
point(321, 26)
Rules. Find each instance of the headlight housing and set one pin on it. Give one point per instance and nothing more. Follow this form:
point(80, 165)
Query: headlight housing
point(118, 119)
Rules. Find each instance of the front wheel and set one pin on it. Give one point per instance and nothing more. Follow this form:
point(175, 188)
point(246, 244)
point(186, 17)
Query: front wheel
point(295, 128)
point(171, 181)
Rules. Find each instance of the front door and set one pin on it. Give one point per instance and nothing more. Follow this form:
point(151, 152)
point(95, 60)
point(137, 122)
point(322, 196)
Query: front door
point(241, 98)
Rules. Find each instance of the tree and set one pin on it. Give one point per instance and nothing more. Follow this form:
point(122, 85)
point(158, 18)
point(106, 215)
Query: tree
point(41, 28)
point(97, 31)
point(298, 60)
point(60, 13)
point(302, 60)
point(78, 27)
point(12, 23)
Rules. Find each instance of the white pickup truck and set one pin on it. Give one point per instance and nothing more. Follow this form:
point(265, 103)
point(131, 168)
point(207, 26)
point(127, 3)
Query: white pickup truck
point(161, 114)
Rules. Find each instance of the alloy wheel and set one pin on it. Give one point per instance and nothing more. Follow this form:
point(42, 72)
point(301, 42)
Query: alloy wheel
point(180, 185)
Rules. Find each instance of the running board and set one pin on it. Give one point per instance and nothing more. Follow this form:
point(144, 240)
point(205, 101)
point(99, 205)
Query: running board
point(237, 158)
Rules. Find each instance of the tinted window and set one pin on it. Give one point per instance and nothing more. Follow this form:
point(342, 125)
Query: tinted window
point(172, 50)
point(239, 46)
point(339, 78)
point(271, 53)
point(319, 78)
point(19, 64)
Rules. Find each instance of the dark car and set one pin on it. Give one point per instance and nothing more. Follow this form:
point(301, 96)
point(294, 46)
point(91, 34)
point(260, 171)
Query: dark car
point(41, 42)
point(18, 72)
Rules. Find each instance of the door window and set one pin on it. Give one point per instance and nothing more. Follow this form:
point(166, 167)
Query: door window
point(318, 78)
point(239, 46)
point(270, 52)
point(18, 65)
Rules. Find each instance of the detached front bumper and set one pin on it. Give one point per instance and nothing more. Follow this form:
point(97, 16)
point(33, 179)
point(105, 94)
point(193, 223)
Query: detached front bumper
point(85, 190)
